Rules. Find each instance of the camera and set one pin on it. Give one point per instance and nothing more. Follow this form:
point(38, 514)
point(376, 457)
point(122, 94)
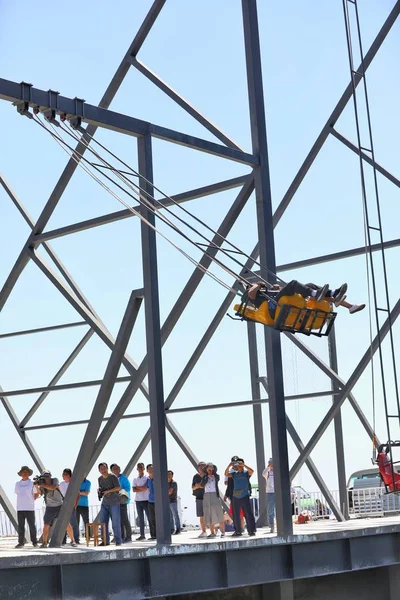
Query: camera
point(39, 480)
point(236, 464)
point(100, 493)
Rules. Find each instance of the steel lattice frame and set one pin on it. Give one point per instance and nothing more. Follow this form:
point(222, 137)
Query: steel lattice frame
point(93, 443)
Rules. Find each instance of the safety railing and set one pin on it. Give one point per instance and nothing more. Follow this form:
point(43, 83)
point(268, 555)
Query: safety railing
point(314, 503)
point(373, 502)
point(367, 502)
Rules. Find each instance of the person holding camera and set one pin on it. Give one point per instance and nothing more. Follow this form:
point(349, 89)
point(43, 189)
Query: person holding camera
point(26, 496)
point(108, 493)
point(213, 512)
point(53, 499)
point(229, 492)
point(241, 473)
point(268, 473)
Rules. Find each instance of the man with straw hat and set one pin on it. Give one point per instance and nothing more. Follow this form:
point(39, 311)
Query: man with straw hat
point(26, 496)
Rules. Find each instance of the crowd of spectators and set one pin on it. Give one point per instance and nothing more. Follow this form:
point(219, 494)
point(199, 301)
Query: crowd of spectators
point(219, 510)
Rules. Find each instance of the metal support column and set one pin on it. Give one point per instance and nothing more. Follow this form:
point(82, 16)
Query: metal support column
point(339, 442)
point(267, 256)
point(96, 419)
point(258, 422)
point(153, 341)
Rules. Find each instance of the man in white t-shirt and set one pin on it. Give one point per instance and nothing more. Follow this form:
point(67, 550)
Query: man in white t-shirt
point(26, 496)
point(268, 473)
point(139, 486)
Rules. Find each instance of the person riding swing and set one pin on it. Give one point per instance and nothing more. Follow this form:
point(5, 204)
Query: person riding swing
point(293, 306)
point(257, 293)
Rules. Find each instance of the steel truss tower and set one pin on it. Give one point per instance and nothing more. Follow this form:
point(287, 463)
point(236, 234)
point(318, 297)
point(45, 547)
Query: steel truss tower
point(268, 377)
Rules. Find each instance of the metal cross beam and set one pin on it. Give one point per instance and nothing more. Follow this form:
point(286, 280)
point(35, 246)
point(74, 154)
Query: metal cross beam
point(319, 480)
point(317, 260)
point(337, 111)
point(351, 382)
point(8, 508)
point(61, 371)
point(365, 157)
point(184, 104)
point(72, 165)
point(336, 380)
point(119, 215)
point(98, 412)
point(183, 409)
point(96, 116)
point(24, 438)
point(94, 323)
point(41, 329)
point(175, 313)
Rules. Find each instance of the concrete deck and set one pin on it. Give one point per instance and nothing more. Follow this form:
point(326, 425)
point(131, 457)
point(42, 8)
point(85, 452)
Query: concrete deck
point(136, 570)
point(189, 541)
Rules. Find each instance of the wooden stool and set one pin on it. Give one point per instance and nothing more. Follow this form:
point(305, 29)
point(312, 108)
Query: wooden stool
point(95, 527)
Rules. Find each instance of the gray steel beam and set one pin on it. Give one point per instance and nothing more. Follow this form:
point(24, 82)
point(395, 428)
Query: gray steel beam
point(81, 147)
point(334, 377)
point(183, 409)
point(319, 480)
point(136, 456)
point(265, 228)
point(189, 108)
point(47, 247)
point(23, 437)
point(192, 458)
point(178, 308)
point(153, 346)
point(56, 377)
point(8, 508)
point(98, 412)
point(257, 419)
point(351, 382)
point(309, 462)
point(365, 157)
point(339, 442)
point(96, 116)
point(62, 387)
point(337, 111)
point(85, 313)
point(41, 329)
point(317, 260)
point(126, 214)
point(145, 27)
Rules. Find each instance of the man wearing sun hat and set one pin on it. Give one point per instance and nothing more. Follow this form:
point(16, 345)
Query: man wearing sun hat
point(26, 496)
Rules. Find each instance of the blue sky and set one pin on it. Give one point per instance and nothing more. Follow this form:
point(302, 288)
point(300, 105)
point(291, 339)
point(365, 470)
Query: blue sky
point(198, 49)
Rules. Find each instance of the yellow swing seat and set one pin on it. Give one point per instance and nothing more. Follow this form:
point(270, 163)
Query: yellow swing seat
point(292, 313)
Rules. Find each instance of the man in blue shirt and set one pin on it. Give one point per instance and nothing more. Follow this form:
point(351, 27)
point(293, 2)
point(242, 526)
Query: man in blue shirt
point(152, 510)
point(125, 499)
point(82, 509)
point(241, 496)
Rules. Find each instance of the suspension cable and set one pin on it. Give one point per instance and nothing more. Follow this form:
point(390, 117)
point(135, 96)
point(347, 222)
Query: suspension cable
point(368, 226)
point(139, 194)
point(170, 199)
point(78, 159)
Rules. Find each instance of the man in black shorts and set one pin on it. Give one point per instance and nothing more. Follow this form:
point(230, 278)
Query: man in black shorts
point(53, 499)
point(198, 493)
